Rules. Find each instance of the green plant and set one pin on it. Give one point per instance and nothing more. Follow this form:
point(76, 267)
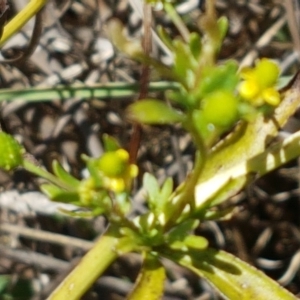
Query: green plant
point(231, 115)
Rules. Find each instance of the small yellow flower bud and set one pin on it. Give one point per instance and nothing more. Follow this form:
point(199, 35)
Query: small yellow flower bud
point(122, 154)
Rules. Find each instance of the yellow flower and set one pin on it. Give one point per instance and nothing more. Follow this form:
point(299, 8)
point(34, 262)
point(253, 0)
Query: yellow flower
point(259, 83)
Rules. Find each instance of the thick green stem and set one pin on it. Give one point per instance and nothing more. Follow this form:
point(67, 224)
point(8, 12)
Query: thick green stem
point(92, 265)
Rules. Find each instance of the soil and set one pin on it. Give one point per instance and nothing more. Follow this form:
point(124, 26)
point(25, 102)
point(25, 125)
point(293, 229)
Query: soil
point(75, 48)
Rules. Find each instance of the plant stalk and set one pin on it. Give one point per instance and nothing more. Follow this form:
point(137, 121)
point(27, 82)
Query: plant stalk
point(108, 90)
point(91, 266)
point(32, 168)
point(13, 26)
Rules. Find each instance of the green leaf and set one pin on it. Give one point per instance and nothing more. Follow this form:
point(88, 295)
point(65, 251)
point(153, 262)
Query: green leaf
point(179, 232)
point(151, 111)
point(157, 197)
point(11, 152)
point(123, 202)
point(63, 175)
point(4, 281)
point(165, 37)
point(92, 166)
point(151, 185)
point(184, 63)
point(190, 242)
point(223, 77)
point(195, 44)
point(59, 195)
point(182, 97)
point(110, 143)
point(166, 191)
point(233, 278)
point(150, 283)
point(196, 242)
point(223, 26)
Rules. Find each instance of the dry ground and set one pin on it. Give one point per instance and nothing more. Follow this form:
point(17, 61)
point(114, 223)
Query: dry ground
point(74, 48)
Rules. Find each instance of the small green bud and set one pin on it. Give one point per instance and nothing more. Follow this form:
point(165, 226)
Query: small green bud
point(220, 108)
point(11, 152)
point(114, 163)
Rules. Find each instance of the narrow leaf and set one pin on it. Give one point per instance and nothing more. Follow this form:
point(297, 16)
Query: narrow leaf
point(59, 195)
point(62, 174)
point(166, 191)
point(151, 185)
point(181, 230)
point(110, 143)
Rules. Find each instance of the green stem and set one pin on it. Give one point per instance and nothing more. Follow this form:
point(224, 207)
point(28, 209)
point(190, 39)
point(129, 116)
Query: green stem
point(108, 90)
point(176, 19)
point(30, 167)
point(91, 266)
point(187, 189)
point(187, 194)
